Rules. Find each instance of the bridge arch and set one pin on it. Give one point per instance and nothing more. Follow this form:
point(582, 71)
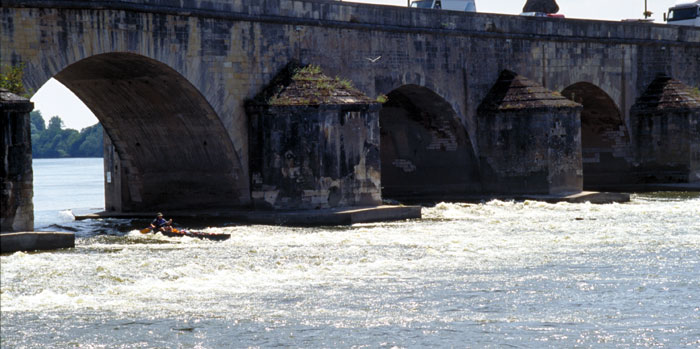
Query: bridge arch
point(166, 146)
point(426, 152)
point(605, 139)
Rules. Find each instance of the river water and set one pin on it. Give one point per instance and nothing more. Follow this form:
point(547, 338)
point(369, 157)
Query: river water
point(497, 274)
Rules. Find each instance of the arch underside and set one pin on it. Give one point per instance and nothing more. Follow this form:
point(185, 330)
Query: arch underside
point(173, 150)
point(426, 153)
point(605, 141)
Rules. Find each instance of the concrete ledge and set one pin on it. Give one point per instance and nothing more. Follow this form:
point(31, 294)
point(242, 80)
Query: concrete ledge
point(650, 187)
point(585, 196)
point(346, 216)
point(593, 197)
point(34, 241)
point(337, 216)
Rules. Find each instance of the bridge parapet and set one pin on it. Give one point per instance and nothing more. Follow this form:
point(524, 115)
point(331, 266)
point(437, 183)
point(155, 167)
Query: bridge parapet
point(392, 18)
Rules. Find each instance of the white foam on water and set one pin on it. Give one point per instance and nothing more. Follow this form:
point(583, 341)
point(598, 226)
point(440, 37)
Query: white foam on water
point(492, 264)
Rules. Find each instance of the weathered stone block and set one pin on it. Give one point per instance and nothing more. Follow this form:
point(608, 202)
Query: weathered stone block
point(314, 143)
point(666, 121)
point(17, 208)
point(529, 138)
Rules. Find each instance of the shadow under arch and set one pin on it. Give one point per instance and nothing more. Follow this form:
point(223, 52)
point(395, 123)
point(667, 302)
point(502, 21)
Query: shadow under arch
point(605, 141)
point(166, 148)
point(426, 153)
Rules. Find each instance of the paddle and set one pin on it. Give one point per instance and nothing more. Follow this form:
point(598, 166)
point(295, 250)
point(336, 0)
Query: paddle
point(148, 229)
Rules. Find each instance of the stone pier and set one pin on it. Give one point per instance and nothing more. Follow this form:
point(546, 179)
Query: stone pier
point(314, 143)
point(17, 176)
point(530, 139)
point(666, 119)
point(17, 219)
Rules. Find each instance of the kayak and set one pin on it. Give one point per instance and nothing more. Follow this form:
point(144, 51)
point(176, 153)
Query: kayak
point(194, 234)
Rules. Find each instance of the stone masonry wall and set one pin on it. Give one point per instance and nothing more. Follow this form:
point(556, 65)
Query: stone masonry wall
point(229, 49)
point(315, 157)
point(531, 152)
point(17, 208)
point(668, 146)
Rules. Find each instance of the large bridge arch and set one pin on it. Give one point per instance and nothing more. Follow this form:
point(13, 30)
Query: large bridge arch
point(171, 151)
point(47, 38)
point(426, 152)
point(605, 139)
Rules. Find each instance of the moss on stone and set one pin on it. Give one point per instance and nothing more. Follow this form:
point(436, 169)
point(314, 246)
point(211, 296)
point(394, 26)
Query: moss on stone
point(515, 92)
point(298, 85)
point(665, 93)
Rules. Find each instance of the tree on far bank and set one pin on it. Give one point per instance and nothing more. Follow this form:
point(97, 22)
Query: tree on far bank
point(37, 121)
point(55, 123)
point(56, 142)
point(89, 143)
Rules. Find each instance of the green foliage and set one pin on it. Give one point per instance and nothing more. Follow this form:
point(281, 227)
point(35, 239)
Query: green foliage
point(55, 123)
point(55, 142)
point(37, 122)
point(695, 91)
point(90, 142)
point(305, 85)
point(345, 83)
point(382, 99)
point(11, 79)
point(309, 70)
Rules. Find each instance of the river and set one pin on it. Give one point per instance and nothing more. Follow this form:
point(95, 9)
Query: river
point(496, 274)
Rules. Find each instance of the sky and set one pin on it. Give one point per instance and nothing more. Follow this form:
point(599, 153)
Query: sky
point(54, 99)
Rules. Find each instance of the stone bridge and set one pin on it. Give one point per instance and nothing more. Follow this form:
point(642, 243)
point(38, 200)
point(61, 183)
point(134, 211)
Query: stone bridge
point(168, 80)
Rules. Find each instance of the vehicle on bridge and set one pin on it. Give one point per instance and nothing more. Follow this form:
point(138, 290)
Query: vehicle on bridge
point(454, 5)
point(684, 14)
point(542, 14)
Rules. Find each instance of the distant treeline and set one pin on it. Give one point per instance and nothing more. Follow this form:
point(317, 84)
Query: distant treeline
point(55, 142)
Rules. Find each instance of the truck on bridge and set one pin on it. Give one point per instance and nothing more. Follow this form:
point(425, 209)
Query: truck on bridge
point(684, 14)
point(454, 5)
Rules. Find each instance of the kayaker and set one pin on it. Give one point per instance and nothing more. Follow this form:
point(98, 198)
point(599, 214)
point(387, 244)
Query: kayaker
point(160, 224)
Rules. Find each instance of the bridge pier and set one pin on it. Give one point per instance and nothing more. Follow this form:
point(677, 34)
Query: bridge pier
point(313, 145)
point(666, 121)
point(16, 204)
point(17, 175)
point(529, 139)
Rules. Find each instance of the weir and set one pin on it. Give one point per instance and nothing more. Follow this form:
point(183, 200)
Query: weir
point(170, 82)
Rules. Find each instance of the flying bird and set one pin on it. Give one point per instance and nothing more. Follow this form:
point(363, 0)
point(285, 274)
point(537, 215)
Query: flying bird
point(373, 60)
